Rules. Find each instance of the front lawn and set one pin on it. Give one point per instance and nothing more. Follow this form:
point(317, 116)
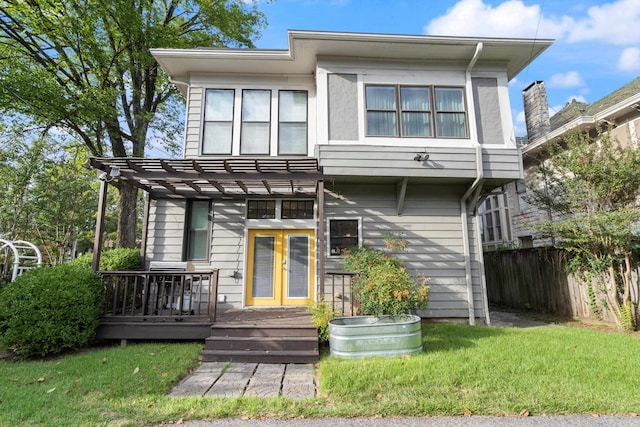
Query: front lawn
point(472, 370)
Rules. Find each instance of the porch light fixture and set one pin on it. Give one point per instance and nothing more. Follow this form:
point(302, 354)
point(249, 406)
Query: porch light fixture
point(421, 157)
point(114, 172)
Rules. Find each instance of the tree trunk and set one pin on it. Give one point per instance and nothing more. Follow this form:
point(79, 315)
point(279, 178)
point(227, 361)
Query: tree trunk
point(127, 218)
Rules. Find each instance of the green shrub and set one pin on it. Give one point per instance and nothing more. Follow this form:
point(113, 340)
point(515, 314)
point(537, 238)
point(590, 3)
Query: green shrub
point(321, 313)
point(49, 310)
point(383, 284)
point(112, 259)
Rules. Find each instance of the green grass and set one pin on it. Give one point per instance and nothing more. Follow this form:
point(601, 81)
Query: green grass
point(549, 370)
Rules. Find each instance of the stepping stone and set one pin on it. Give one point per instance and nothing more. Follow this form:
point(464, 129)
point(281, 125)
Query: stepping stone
point(266, 382)
point(298, 382)
point(234, 380)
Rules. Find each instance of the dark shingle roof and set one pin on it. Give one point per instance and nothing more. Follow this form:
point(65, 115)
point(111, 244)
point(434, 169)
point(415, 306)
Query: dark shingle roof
point(574, 108)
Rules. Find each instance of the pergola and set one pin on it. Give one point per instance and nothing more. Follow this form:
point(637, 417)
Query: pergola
point(211, 179)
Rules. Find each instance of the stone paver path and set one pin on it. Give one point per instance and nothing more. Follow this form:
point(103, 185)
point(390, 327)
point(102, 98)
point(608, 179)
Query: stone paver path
point(220, 379)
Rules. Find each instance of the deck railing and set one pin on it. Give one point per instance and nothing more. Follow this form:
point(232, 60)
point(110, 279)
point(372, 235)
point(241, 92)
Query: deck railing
point(338, 292)
point(158, 294)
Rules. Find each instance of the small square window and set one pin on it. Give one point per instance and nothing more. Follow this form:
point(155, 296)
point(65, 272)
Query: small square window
point(297, 209)
point(343, 234)
point(261, 209)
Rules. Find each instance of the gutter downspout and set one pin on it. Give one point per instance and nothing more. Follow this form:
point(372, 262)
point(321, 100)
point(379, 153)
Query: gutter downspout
point(474, 189)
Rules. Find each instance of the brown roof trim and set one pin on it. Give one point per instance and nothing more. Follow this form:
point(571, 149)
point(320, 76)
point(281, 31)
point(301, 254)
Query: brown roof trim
point(217, 178)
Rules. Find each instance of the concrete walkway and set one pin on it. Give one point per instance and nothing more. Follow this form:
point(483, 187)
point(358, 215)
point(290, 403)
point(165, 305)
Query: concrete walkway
point(221, 379)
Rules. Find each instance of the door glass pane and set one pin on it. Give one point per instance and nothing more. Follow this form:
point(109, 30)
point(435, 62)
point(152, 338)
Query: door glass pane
point(298, 267)
point(263, 266)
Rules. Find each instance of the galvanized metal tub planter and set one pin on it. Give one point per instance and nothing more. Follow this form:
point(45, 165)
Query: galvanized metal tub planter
point(364, 336)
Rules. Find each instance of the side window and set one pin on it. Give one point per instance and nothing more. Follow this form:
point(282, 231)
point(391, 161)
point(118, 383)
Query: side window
point(381, 111)
point(198, 230)
point(292, 122)
point(343, 234)
point(451, 118)
point(416, 111)
point(218, 121)
point(256, 122)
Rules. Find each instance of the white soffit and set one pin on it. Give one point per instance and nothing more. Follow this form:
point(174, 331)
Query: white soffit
point(306, 46)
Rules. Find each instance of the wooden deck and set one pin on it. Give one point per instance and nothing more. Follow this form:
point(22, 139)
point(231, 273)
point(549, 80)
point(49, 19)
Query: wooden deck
point(265, 335)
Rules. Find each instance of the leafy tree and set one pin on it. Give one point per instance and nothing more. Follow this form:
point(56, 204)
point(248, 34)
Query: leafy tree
point(48, 198)
point(592, 191)
point(85, 67)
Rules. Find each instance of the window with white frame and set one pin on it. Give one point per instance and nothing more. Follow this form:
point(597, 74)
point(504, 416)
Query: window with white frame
point(252, 108)
point(415, 111)
point(255, 134)
point(344, 233)
point(198, 230)
point(218, 121)
point(292, 122)
point(494, 219)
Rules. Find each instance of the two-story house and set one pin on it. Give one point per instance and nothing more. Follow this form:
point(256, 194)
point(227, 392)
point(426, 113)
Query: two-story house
point(291, 156)
point(507, 216)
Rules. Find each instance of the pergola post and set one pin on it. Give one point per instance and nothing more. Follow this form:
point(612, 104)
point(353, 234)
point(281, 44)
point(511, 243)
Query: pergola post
point(97, 242)
point(145, 232)
point(322, 246)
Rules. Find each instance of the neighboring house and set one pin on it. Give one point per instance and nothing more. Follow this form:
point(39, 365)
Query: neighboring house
point(292, 156)
point(621, 109)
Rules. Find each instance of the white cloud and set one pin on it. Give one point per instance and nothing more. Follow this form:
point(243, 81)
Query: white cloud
point(629, 59)
point(615, 22)
point(511, 18)
point(566, 80)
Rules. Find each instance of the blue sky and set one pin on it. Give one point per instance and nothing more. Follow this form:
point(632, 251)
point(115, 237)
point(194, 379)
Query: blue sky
point(597, 47)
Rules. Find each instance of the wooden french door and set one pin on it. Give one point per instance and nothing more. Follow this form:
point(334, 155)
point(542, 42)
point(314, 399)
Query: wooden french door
point(280, 267)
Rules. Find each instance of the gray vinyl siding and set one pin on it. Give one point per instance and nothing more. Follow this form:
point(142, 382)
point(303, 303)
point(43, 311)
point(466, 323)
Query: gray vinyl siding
point(502, 163)
point(227, 251)
point(193, 127)
point(166, 230)
point(370, 160)
point(431, 224)
point(444, 162)
point(487, 107)
point(343, 107)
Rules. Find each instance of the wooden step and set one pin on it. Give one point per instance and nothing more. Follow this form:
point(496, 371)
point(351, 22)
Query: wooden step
point(261, 343)
point(231, 330)
point(256, 356)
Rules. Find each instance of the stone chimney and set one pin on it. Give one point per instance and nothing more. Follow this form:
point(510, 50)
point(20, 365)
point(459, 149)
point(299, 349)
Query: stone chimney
point(536, 110)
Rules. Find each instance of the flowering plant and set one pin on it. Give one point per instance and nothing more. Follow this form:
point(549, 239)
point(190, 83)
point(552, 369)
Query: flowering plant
point(383, 284)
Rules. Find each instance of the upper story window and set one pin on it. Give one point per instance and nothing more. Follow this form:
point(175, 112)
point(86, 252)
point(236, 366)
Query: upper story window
point(292, 118)
point(218, 121)
point(414, 111)
point(257, 124)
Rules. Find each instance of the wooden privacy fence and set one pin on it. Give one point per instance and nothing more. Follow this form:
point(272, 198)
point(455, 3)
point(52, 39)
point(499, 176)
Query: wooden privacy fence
point(535, 279)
